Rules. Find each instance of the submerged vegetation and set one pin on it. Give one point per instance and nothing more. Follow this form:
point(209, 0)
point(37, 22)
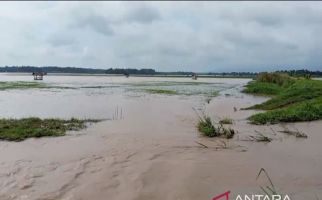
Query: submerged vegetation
point(260, 138)
point(185, 88)
point(197, 91)
point(21, 129)
point(295, 99)
point(161, 91)
point(295, 133)
point(11, 85)
point(153, 87)
point(167, 83)
point(21, 85)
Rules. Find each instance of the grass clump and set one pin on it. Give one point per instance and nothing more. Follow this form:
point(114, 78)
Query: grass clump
point(296, 133)
point(260, 138)
point(161, 91)
point(206, 127)
point(294, 100)
point(226, 120)
point(280, 79)
point(21, 129)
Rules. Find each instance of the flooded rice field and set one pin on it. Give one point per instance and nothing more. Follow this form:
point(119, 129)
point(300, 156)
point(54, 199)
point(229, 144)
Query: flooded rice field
point(99, 96)
point(148, 146)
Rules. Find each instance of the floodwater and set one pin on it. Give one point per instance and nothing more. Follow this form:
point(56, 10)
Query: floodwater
point(97, 96)
point(147, 148)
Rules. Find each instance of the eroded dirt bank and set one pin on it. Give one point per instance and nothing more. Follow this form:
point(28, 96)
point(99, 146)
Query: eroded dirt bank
point(152, 154)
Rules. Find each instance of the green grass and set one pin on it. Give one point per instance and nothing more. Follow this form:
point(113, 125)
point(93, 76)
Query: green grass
point(21, 129)
point(306, 111)
point(280, 79)
point(161, 91)
point(206, 127)
point(213, 94)
point(300, 100)
point(269, 84)
point(262, 88)
point(300, 91)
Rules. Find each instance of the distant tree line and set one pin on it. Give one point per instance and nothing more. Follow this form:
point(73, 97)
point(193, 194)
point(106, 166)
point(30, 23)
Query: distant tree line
point(51, 69)
point(301, 72)
point(129, 71)
point(234, 74)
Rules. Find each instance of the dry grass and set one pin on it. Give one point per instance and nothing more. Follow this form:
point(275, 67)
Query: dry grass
point(226, 120)
point(269, 189)
point(259, 138)
point(295, 133)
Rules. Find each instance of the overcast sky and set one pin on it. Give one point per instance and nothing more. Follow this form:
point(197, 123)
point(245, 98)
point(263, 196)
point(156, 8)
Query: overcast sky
point(167, 36)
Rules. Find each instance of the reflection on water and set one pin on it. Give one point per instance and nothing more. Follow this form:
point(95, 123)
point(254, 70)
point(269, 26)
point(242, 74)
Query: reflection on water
point(99, 96)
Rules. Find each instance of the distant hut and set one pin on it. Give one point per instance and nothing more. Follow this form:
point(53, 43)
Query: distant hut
point(126, 74)
point(38, 75)
point(194, 76)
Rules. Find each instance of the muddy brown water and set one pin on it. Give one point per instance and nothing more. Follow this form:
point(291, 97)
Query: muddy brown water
point(150, 151)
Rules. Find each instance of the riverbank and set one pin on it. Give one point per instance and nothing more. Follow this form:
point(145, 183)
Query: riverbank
point(293, 99)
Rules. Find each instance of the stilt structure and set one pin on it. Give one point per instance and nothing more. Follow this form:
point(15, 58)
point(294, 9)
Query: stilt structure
point(194, 76)
point(38, 75)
